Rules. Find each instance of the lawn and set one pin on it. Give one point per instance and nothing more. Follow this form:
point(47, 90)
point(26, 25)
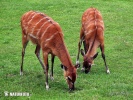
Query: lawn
point(97, 85)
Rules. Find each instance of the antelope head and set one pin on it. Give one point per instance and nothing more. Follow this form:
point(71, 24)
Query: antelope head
point(70, 76)
point(88, 61)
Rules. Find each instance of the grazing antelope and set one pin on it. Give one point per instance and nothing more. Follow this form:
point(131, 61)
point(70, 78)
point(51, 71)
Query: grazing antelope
point(92, 36)
point(47, 35)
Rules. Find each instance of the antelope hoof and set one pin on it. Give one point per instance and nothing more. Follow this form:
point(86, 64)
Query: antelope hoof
point(47, 87)
point(108, 72)
point(21, 73)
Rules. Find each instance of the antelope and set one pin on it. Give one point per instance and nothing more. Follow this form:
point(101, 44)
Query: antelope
point(47, 35)
point(92, 36)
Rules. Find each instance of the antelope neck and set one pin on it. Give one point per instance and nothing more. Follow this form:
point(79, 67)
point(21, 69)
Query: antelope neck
point(64, 56)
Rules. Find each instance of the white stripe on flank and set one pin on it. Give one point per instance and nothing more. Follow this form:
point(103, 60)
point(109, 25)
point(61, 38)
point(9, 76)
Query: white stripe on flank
point(95, 19)
point(30, 21)
point(32, 18)
point(37, 23)
point(42, 26)
point(88, 21)
point(31, 35)
point(51, 36)
point(48, 40)
point(23, 21)
point(26, 27)
point(90, 12)
point(90, 31)
point(24, 16)
point(90, 25)
point(98, 13)
point(46, 30)
point(41, 20)
point(30, 15)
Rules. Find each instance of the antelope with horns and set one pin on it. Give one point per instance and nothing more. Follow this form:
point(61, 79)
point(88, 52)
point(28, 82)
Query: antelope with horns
point(47, 35)
point(92, 36)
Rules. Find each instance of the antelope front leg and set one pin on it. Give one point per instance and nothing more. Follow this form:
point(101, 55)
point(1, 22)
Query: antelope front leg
point(103, 56)
point(79, 46)
point(37, 52)
point(85, 47)
point(21, 67)
point(46, 65)
point(24, 42)
point(52, 61)
point(107, 69)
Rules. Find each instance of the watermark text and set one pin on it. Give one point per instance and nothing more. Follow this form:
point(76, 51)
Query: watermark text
point(16, 93)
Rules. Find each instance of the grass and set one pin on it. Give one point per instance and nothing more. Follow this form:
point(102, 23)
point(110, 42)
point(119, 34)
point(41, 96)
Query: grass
point(94, 86)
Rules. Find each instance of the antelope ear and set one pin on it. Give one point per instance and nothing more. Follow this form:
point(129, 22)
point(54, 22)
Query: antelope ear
point(82, 52)
point(63, 67)
point(95, 56)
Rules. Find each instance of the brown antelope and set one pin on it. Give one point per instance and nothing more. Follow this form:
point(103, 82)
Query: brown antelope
point(47, 35)
point(92, 36)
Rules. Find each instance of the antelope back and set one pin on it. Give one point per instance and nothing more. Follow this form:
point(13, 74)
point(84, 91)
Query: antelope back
point(92, 20)
point(38, 27)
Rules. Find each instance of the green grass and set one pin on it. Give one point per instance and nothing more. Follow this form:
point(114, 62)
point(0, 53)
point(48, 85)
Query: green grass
point(97, 85)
